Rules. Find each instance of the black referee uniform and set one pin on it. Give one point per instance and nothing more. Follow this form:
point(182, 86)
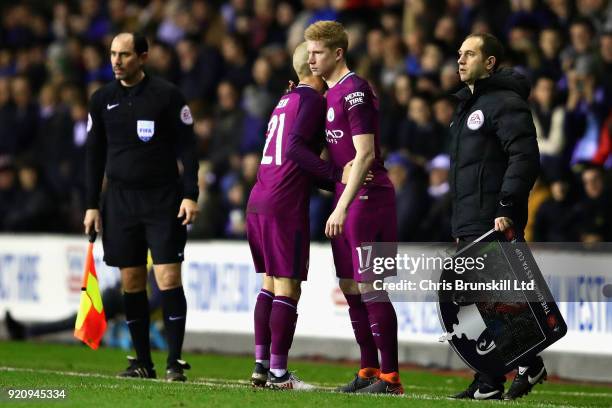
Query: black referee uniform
point(135, 135)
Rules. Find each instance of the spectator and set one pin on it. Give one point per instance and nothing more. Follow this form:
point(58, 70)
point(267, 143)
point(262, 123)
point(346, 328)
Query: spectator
point(25, 114)
point(549, 122)
point(227, 132)
point(175, 23)
point(370, 64)
point(595, 11)
point(436, 225)
point(550, 43)
point(236, 70)
point(561, 12)
point(443, 108)
point(553, 220)
point(231, 59)
point(603, 65)
point(411, 194)
point(52, 147)
point(393, 111)
point(8, 139)
point(258, 98)
point(162, 63)
point(585, 106)
point(579, 54)
point(393, 64)
point(420, 137)
point(593, 212)
point(96, 67)
point(446, 33)
point(449, 80)
point(235, 198)
point(33, 209)
point(8, 188)
point(200, 69)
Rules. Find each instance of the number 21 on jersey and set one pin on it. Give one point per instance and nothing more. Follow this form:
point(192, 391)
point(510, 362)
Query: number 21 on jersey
point(276, 126)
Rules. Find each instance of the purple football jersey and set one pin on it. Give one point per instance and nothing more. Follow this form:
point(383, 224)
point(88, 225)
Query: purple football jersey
point(282, 187)
point(352, 109)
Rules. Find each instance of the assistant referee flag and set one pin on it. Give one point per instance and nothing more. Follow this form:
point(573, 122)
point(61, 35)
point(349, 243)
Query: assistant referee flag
point(90, 324)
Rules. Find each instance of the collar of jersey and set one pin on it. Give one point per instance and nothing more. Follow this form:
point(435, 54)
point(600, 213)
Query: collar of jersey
point(348, 74)
point(136, 89)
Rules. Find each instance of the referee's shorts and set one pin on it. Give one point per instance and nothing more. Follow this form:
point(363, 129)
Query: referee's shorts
point(136, 220)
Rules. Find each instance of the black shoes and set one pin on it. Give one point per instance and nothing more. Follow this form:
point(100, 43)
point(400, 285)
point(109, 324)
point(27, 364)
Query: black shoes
point(357, 384)
point(259, 378)
point(175, 371)
point(138, 369)
point(382, 387)
point(526, 378)
point(480, 390)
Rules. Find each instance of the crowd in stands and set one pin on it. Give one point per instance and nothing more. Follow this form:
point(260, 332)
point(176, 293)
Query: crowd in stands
point(231, 59)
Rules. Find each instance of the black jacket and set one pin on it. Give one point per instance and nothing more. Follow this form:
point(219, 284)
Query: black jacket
point(494, 154)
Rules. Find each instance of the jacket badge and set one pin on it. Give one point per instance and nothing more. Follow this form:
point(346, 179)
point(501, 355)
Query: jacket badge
point(475, 120)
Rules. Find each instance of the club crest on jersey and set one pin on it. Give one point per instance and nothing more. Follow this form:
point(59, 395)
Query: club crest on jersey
point(475, 120)
point(145, 129)
point(330, 115)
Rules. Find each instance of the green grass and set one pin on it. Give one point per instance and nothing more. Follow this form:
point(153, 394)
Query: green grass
point(88, 378)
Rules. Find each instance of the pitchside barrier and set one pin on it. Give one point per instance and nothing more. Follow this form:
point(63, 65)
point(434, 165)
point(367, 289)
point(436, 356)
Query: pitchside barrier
point(40, 278)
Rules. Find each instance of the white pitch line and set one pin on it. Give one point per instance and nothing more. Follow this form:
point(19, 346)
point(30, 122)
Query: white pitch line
point(224, 383)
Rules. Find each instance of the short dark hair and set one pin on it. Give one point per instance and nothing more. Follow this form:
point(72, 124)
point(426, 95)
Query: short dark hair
point(491, 47)
point(140, 43)
point(586, 22)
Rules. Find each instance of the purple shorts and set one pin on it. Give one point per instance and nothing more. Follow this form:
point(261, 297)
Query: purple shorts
point(280, 246)
point(367, 221)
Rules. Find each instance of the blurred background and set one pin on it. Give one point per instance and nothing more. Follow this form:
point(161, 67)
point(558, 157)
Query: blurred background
point(231, 59)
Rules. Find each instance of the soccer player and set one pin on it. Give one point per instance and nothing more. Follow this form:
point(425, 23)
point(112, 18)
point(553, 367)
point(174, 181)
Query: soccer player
point(277, 220)
point(351, 129)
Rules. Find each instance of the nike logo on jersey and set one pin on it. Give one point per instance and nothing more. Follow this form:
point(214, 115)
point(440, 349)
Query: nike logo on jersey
point(109, 107)
point(484, 395)
point(173, 318)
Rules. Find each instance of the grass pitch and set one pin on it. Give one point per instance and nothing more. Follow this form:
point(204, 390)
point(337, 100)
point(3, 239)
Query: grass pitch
point(87, 376)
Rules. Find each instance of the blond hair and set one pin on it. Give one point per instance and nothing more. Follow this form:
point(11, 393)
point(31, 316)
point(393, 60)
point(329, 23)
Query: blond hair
point(300, 61)
point(331, 33)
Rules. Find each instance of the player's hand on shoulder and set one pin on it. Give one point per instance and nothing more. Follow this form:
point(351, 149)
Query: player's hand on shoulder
point(92, 221)
point(290, 87)
point(189, 210)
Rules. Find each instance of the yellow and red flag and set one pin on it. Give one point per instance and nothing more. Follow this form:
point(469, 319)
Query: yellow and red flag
point(90, 324)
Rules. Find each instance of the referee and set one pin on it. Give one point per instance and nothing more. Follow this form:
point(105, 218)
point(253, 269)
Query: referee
point(494, 164)
point(137, 127)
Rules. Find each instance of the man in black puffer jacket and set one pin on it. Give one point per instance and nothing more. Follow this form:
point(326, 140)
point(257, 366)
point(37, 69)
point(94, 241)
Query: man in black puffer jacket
point(494, 153)
point(494, 164)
